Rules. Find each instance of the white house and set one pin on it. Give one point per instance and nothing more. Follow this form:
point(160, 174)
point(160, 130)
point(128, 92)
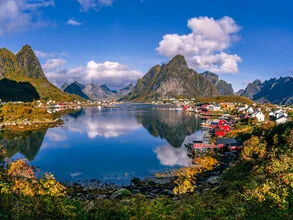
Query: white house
point(272, 114)
point(281, 119)
point(214, 107)
point(259, 116)
point(249, 110)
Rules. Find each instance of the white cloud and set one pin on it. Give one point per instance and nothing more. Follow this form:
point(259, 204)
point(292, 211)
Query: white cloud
point(53, 64)
point(61, 75)
point(113, 74)
point(73, 22)
point(110, 129)
point(99, 125)
point(55, 136)
point(42, 54)
point(94, 4)
point(17, 15)
point(170, 156)
point(204, 47)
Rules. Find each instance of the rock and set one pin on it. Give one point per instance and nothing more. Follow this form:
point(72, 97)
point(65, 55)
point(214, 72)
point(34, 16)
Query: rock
point(162, 181)
point(135, 180)
point(90, 206)
point(120, 194)
point(101, 196)
point(213, 180)
point(168, 192)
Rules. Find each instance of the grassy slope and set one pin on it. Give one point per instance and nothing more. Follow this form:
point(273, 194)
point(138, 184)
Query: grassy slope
point(46, 90)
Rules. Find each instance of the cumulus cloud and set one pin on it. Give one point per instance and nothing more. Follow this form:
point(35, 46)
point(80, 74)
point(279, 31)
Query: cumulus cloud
point(205, 46)
point(110, 129)
point(62, 74)
point(16, 15)
point(57, 73)
point(42, 54)
point(53, 64)
point(100, 125)
point(53, 135)
point(170, 156)
point(73, 22)
point(94, 4)
point(111, 73)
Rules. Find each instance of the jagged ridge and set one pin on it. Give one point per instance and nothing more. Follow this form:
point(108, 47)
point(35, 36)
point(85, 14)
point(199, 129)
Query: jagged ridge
point(25, 67)
point(171, 80)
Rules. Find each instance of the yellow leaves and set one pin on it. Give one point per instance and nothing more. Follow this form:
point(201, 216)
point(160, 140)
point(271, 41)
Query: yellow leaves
point(186, 181)
point(50, 186)
point(21, 179)
point(20, 168)
point(184, 186)
point(253, 148)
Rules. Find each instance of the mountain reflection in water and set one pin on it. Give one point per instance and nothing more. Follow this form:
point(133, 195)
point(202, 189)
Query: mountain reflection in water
point(110, 144)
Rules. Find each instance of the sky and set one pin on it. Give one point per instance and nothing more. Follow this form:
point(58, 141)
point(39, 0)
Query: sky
point(115, 42)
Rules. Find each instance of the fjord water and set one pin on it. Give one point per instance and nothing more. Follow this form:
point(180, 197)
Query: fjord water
point(109, 144)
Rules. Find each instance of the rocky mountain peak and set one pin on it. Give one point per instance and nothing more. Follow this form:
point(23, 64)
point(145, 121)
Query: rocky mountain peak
point(174, 79)
point(178, 63)
point(214, 78)
point(29, 63)
point(107, 90)
point(223, 87)
point(64, 86)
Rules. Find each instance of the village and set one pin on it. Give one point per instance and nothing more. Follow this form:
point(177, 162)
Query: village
point(220, 118)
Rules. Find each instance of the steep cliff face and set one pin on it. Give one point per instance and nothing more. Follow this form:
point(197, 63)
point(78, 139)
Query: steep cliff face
point(275, 90)
point(29, 63)
point(278, 91)
point(25, 67)
point(222, 86)
point(171, 80)
point(107, 90)
point(76, 89)
point(240, 92)
point(124, 91)
point(95, 92)
point(252, 89)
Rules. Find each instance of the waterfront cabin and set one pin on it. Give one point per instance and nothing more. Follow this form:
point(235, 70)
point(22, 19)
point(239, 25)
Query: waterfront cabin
point(225, 127)
point(220, 133)
point(222, 122)
point(225, 142)
point(235, 147)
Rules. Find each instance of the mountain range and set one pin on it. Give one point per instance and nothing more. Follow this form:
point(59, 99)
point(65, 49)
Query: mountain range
point(222, 86)
point(22, 79)
point(95, 92)
point(171, 80)
point(275, 90)
point(24, 66)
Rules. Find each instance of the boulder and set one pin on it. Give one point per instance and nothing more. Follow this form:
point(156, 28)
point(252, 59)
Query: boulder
point(120, 194)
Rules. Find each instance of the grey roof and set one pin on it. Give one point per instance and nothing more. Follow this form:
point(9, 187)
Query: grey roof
point(226, 141)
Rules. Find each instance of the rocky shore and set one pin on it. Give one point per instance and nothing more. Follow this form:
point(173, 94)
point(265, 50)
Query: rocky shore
point(22, 125)
point(149, 188)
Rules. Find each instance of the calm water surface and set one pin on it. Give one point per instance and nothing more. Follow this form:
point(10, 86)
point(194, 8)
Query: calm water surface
point(109, 144)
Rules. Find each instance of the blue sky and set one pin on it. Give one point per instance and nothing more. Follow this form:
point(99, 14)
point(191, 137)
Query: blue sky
point(117, 41)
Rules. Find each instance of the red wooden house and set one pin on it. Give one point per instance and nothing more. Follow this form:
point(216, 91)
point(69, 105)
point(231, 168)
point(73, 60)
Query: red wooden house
point(225, 127)
point(221, 122)
point(220, 133)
